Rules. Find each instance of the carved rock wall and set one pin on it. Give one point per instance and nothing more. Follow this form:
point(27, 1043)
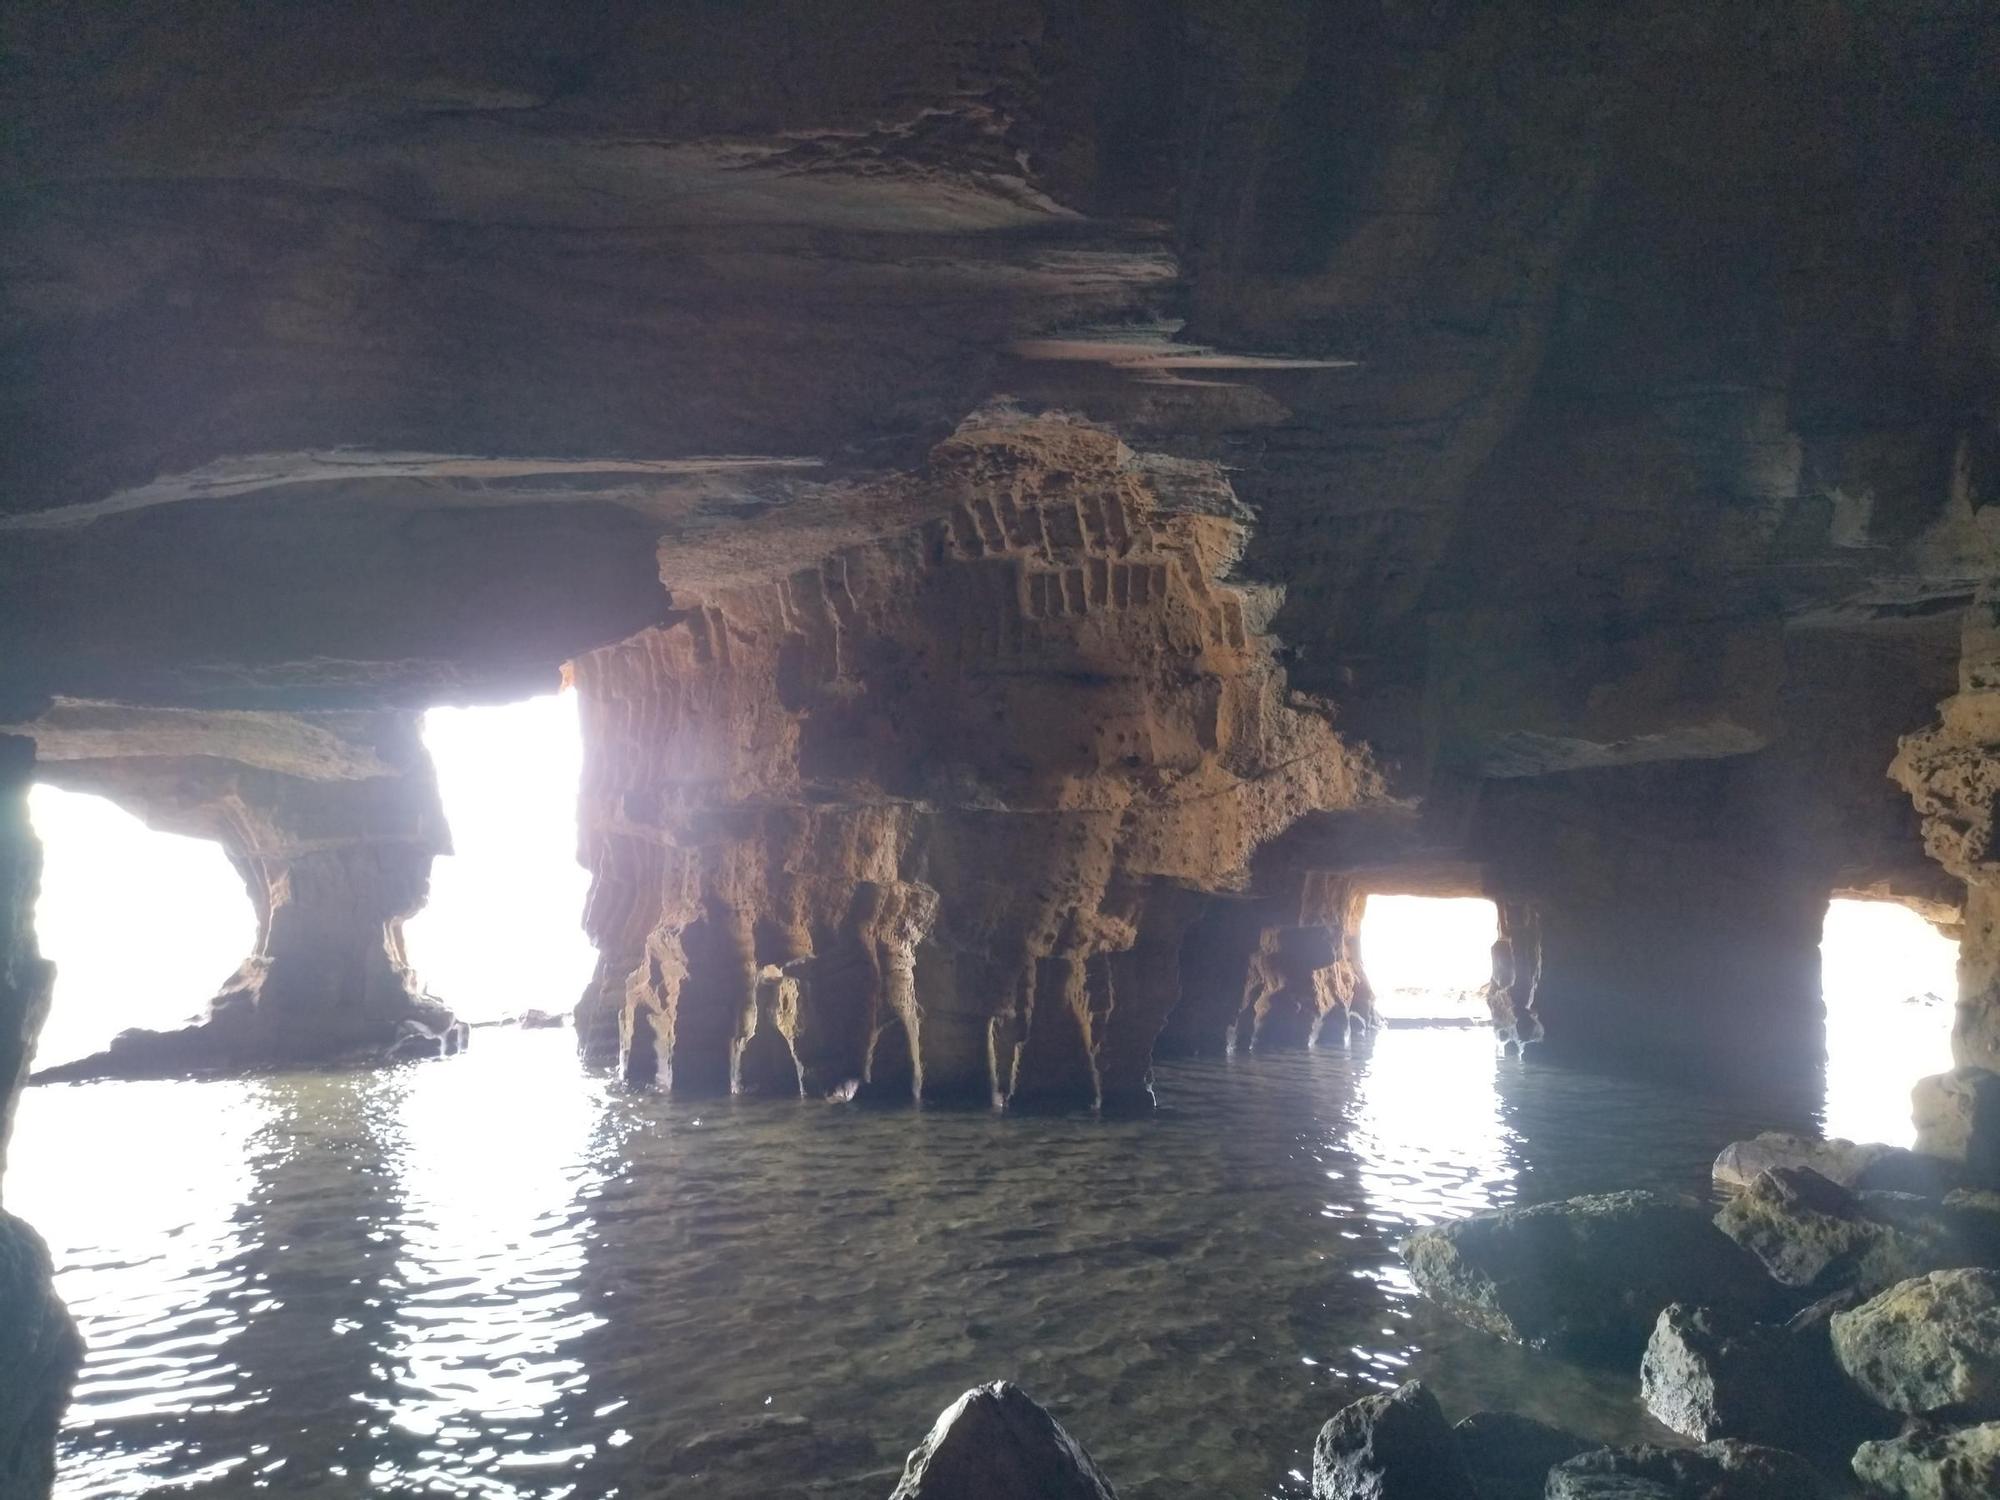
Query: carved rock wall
point(954, 785)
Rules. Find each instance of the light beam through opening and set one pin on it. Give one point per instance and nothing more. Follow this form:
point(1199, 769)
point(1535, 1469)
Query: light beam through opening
point(503, 931)
point(1429, 957)
point(1889, 980)
point(144, 927)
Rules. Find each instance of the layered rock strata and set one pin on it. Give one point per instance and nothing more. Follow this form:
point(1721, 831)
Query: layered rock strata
point(929, 815)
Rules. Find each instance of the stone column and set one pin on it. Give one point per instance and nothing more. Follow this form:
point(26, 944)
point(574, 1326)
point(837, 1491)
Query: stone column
point(1952, 773)
point(40, 1351)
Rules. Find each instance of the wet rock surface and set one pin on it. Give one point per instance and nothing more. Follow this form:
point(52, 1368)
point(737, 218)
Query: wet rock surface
point(1587, 1276)
point(1509, 1456)
point(995, 1443)
point(1929, 1344)
point(1725, 1470)
point(1396, 1446)
point(1933, 1463)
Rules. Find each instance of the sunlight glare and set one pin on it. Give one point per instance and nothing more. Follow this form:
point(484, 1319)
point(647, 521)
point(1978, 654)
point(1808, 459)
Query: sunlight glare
point(1889, 980)
point(144, 927)
point(1428, 957)
point(503, 930)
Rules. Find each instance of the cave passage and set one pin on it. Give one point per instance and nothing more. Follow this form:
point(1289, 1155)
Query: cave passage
point(1888, 979)
point(143, 926)
point(1429, 957)
point(501, 933)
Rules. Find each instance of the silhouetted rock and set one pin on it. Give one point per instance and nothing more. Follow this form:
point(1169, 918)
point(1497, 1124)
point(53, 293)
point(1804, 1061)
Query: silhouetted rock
point(1396, 1446)
point(40, 1353)
point(1926, 1345)
point(994, 1443)
point(1587, 1276)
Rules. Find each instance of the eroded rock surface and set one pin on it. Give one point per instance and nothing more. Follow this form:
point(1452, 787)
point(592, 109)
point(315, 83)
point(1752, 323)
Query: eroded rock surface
point(1587, 1276)
point(1850, 1164)
point(994, 1443)
point(1933, 1463)
point(1926, 1345)
point(1818, 1237)
point(1391, 1447)
point(828, 850)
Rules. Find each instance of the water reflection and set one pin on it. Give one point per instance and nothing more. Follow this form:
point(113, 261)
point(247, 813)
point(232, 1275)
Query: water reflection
point(498, 1278)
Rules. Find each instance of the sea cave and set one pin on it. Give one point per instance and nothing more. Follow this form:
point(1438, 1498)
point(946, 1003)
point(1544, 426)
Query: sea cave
point(1000, 750)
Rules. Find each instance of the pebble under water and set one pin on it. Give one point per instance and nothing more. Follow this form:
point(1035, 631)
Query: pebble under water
point(500, 1277)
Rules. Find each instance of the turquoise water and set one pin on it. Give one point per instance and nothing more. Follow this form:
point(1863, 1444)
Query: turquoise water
point(500, 1277)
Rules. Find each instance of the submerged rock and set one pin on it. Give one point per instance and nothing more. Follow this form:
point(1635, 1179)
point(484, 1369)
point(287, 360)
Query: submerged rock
point(1726, 1470)
point(1509, 1456)
point(1929, 1344)
point(1587, 1276)
point(40, 1353)
point(1817, 1236)
point(1852, 1164)
point(1957, 1116)
point(1931, 1463)
point(1391, 1447)
point(994, 1443)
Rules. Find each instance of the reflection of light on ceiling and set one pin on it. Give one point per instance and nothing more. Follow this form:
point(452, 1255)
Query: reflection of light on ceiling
point(144, 927)
point(1878, 964)
point(502, 932)
point(1428, 956)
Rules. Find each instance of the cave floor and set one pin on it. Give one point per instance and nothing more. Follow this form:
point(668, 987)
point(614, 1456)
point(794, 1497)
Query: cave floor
point(500, 1277)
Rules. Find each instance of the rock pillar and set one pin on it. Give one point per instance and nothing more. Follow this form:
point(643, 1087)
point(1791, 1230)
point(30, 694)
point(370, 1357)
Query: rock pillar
point(1952, 773)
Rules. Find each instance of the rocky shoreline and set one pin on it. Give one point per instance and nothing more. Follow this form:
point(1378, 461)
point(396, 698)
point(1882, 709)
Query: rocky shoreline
point(1834, 1328)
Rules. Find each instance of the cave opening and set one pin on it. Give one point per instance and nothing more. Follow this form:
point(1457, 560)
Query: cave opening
point(501, 935)
point(1888, 978)
point(1429, 958)
point(143, 926)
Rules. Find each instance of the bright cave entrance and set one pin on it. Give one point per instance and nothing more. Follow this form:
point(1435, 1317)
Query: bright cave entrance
point(502, 933)
point(144, 927)
point(1888, 979)
point(1429, 957)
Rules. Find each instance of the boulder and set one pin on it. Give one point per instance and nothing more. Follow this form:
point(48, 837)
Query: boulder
point(541, 1020)
point(1708, 1376)
point(1726, 1470)
point(40, 1353)
point(1958, 1118)
point(1816, 1236)
point(1852, 1164)
point(1928, 1344)
point(1509, 1456)
point(1587, 1276)
point(994, 1443)
point(1933, 1463)
point(1396, 1446)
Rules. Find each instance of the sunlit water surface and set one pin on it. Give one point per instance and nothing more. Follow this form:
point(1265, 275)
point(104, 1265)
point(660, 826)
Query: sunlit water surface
point(499, 1277)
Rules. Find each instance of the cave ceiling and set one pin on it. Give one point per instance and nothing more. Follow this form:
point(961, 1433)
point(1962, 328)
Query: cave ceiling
point(1581, 372)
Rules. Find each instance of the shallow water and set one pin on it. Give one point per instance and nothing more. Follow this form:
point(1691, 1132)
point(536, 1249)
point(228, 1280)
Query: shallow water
point(498, 1277)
